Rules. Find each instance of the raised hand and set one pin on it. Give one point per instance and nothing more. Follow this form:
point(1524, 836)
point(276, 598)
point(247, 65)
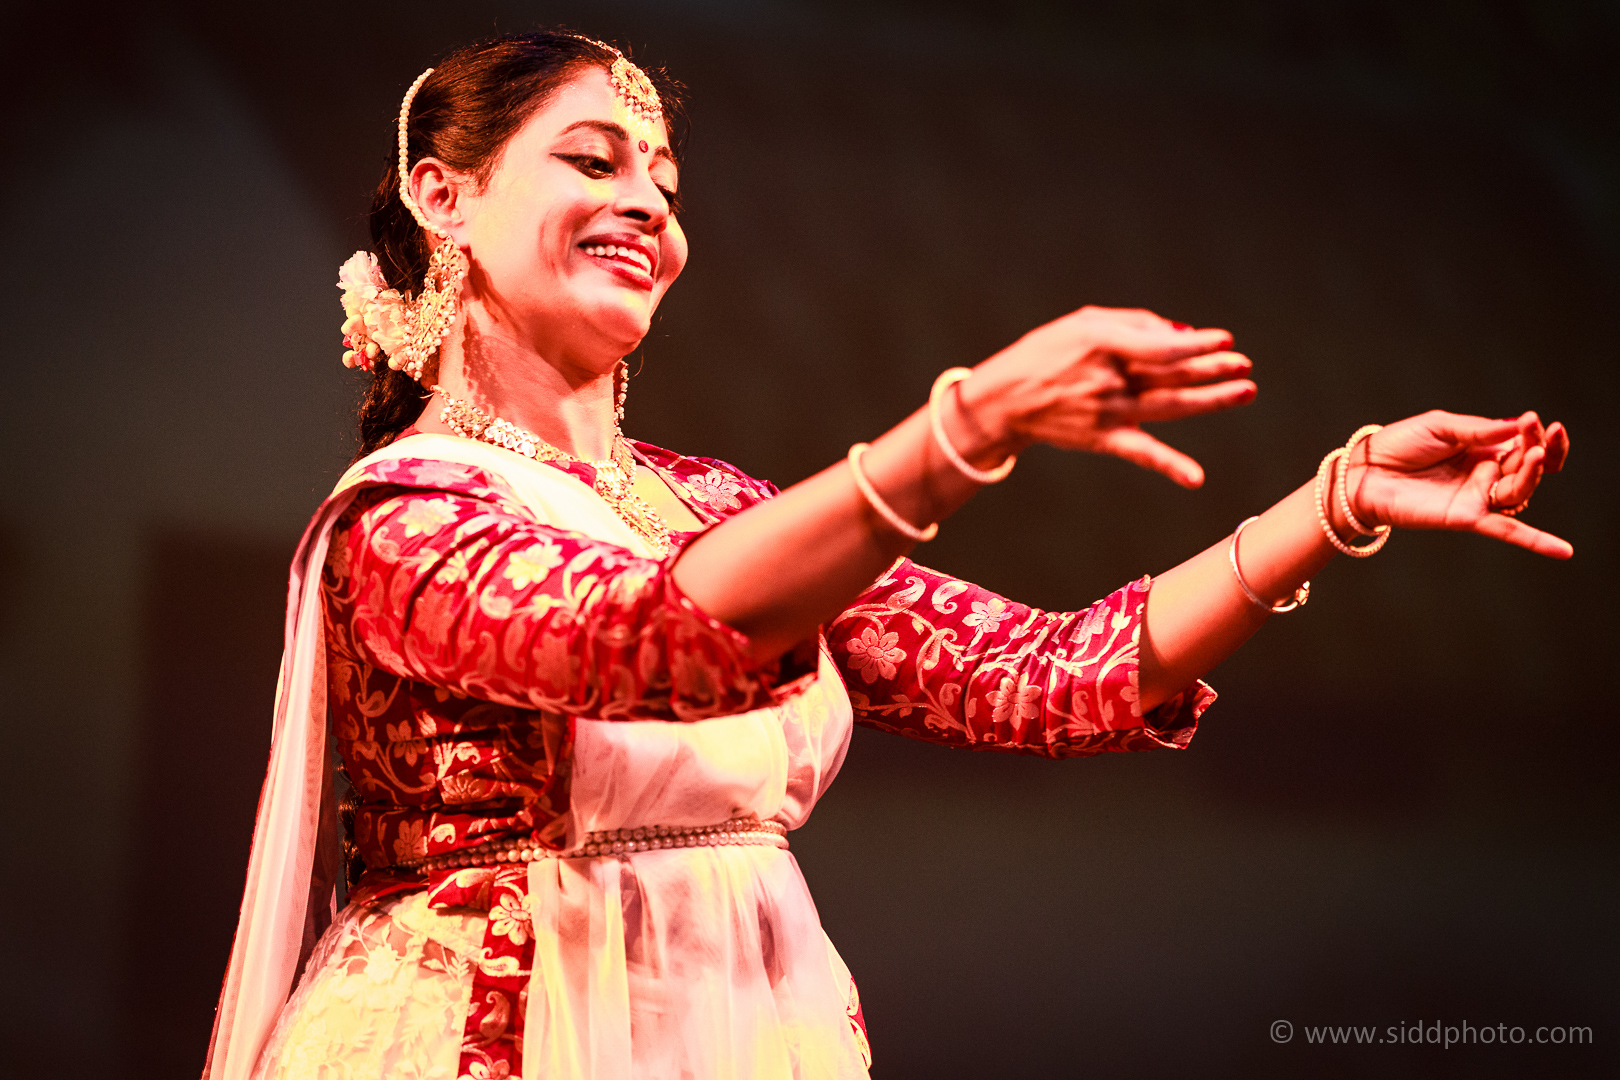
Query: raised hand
point(1440, 470)
point(1089, 380)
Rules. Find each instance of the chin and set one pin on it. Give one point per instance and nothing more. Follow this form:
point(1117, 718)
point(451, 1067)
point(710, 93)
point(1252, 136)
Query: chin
point(622, 319)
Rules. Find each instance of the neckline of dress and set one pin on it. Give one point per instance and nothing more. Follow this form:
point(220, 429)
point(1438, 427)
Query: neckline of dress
point(679, 538)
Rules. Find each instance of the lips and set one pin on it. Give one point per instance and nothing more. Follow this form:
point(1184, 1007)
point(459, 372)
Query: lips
point(627, 256)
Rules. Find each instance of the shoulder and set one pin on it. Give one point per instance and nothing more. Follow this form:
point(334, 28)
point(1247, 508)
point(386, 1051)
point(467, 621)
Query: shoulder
point(717, 484)
point(372, 482)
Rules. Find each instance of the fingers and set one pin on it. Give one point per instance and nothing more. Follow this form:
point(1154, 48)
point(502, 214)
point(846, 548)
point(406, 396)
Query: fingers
point(1138, 335)
point(1149, 375)
point(1554, 439)
point(1517, 486)
point(1530, 429)
point(1513, 457)
point(1164, 345)
point(1557, 445)
point(1140, 318)
point(1514, 531)
point(1140, 448)
point(1462, 430)
point(1153, 406)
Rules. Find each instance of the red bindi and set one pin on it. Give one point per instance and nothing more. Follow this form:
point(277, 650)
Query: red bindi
point(643, 145)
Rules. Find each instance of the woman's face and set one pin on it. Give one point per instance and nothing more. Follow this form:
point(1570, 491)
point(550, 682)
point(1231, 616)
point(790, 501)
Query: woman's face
point(574, 239)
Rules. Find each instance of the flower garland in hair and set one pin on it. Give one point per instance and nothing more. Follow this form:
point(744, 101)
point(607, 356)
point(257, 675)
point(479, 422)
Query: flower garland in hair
point(376, 318)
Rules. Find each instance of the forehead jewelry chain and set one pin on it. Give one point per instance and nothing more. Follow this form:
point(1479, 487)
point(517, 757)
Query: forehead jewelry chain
point(637, 91)
point(615, 476)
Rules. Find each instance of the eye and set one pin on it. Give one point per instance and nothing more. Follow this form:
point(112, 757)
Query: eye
point(597, 168)
point(673, 198)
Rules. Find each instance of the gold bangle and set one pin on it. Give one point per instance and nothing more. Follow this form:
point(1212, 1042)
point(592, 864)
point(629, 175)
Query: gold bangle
point(1301, 594)
point(885, 511)
point(946, 380)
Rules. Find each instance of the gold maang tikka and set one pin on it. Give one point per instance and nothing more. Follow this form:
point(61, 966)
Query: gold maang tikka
point(637, 92)
point(433, 312)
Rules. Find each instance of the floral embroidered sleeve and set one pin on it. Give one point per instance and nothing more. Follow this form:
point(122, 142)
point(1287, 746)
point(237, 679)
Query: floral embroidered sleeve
point(936, 658)
point(457, 589)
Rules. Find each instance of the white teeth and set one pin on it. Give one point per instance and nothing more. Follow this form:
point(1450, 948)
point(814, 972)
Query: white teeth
point(614, 251)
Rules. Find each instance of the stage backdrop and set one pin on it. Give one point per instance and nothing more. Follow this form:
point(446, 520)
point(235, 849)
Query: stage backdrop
point(1401, 812)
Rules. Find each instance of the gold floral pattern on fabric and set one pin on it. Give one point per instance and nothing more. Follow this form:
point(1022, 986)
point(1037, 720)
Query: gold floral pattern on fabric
point(935, 658)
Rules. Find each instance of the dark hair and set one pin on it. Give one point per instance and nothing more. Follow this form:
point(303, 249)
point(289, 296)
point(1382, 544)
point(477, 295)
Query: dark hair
point(475, 100)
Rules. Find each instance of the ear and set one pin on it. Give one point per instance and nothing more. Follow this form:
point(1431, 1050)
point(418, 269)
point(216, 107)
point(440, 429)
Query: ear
point(440, 192)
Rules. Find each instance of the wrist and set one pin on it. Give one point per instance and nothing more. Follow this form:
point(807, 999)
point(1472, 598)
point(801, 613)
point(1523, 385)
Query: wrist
point(978, 423)
point(1355, 475)
point(1340, 524)
point(1333, 489)
point(1347, 489)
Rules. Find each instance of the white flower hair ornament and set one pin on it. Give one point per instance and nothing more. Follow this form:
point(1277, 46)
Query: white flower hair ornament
point(375, 316)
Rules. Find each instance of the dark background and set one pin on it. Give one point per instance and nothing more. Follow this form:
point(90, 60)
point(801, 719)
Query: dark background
point(1403, 808)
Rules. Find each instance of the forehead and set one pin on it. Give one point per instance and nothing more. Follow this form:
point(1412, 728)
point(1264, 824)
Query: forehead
point(590, 95)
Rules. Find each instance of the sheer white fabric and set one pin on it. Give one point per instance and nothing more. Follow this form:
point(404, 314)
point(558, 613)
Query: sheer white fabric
point(386, 995)
point(703, 963)
point(693, 962)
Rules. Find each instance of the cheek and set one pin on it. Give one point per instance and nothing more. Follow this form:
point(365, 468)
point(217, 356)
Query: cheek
point(671, 253)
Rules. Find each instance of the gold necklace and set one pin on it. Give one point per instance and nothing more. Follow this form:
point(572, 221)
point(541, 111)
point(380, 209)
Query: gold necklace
point(614, 477)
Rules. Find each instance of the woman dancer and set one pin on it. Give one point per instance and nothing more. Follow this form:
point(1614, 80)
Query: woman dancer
point(584, 687)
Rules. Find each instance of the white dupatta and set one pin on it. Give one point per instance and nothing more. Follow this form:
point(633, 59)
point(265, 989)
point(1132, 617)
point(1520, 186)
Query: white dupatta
point(290, 895)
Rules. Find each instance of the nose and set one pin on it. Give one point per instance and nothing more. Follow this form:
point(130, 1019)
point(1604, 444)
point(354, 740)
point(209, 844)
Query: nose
point(641, 201)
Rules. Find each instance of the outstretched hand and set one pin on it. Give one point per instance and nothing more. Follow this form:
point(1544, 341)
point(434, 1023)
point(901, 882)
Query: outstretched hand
point(1089, 380)
point(1440, 470)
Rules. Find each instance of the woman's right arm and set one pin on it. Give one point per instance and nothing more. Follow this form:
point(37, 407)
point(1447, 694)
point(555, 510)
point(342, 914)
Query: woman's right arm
point(1084, 382)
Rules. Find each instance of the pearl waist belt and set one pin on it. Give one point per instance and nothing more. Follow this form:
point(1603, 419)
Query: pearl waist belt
point(743, 831)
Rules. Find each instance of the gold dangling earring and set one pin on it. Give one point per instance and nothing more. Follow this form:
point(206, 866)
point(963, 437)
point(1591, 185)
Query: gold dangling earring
point(621, 390)
point(433, 312)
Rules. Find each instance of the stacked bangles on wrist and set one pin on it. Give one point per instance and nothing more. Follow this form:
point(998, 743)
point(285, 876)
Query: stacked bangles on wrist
point(936, 424)
point(1333, 474)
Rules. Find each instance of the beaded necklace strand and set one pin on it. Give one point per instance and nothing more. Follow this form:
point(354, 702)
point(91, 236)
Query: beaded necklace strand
point(615, 476)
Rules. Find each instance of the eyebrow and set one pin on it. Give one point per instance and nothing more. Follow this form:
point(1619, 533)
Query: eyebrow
point(612, 130)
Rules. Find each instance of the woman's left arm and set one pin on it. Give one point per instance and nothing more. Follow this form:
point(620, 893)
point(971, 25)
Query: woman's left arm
point(936, 658)
point(1433, 471)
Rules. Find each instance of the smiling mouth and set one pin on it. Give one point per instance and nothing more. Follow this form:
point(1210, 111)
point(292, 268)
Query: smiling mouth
point(620, 256)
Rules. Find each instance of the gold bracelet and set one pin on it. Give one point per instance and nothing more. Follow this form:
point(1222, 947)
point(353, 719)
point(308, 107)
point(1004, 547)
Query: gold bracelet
point(900, 524)
point(946, 380)
point(1301, 594)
